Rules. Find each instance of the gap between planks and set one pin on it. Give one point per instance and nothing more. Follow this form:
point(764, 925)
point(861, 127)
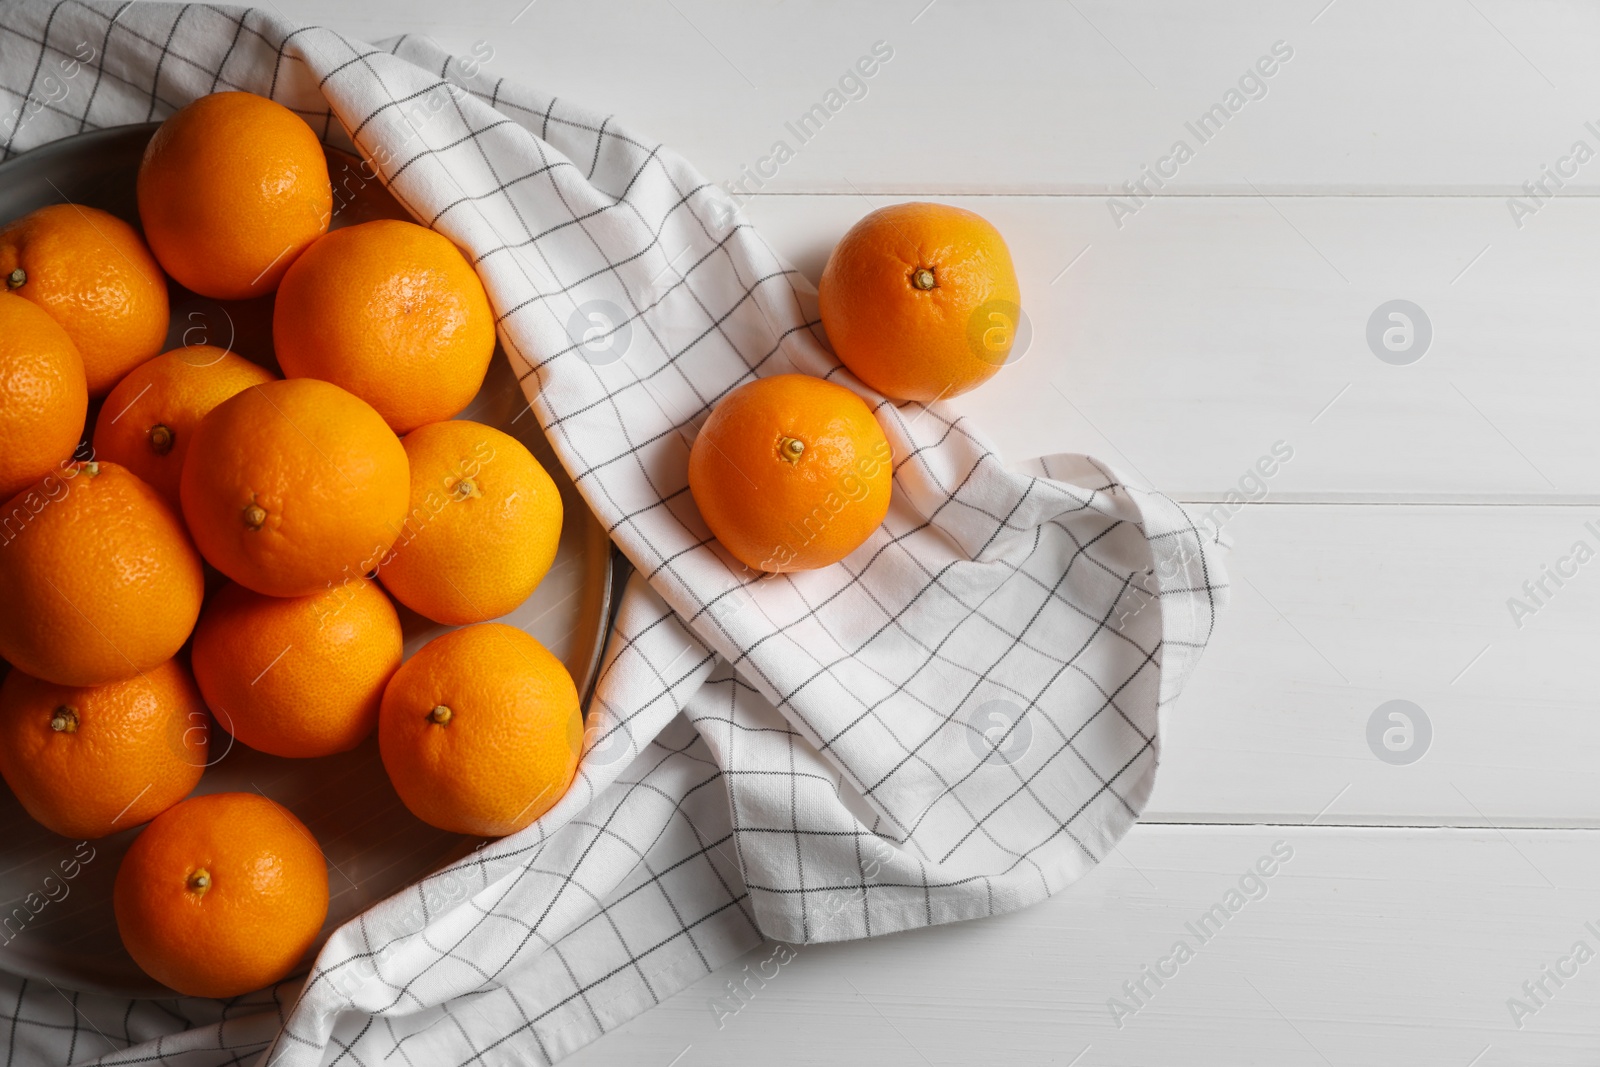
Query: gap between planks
point(1399, 500)
point(1189, 822)
point(1032, 193)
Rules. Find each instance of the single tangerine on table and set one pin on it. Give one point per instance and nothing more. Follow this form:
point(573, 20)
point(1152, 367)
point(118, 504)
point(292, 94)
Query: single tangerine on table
point(232, 188)
point(98, 579)
point(221, 895)
point(391, 311)
point(89, 761)
point(920, 301)
point(483, 528)
point(297, 676)
point(293, 485)
point(480, 731)
point(94, 275)
point(148, 420)
point(43, 395)
point(791, 473)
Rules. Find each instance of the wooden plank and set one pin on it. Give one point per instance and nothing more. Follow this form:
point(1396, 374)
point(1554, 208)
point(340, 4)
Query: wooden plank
point(1394, 946)
point(1041, 96)
point(1340, 609)
point(1181, 347)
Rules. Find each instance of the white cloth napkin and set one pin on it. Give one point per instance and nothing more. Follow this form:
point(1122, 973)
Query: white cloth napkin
point(958, 720)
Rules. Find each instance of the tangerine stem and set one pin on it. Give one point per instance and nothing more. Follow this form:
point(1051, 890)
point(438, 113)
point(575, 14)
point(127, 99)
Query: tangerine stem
point(200, 881)
point(17, 279)
point(923, 278)
point(160, 439)
point(65, 720)
point(441, 715)
point(254, 516)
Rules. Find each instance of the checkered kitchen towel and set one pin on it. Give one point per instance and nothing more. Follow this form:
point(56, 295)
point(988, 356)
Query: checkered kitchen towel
point(959, 720)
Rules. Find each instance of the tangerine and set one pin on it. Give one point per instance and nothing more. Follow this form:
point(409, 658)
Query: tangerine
point(98, 578)
point(480, 730)
point(920, 301)
point(149, 419)
point(232, 188)
point(94, 275)
point(87, 761)
point(483, 528)
point(391, 311)
point(791, 473)
point(297, 676)
point(43, 395)
point(293, 485)
point(221, 895)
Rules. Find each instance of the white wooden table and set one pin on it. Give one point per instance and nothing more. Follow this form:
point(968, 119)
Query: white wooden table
point(1224, 315)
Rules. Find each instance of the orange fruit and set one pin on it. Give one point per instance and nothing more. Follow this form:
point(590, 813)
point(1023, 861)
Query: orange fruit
point(232, 188)
point(149, 419)
point(96, 278)
point(392, 312)
point(482, 531)
point(292, 485)
point(480, 730)
point(297, 676)
point(43, 396)
point(920, 301)
point(791, 473)
point(221, 895)
point(97, 577)
point(89, 761)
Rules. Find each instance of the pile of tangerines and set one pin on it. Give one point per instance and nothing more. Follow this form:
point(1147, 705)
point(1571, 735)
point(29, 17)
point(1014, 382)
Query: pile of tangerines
point(217, 540)
point(920, 301)
point(261, 524)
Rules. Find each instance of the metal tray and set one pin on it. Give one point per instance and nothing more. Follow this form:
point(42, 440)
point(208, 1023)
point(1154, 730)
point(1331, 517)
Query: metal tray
point(374, 846)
